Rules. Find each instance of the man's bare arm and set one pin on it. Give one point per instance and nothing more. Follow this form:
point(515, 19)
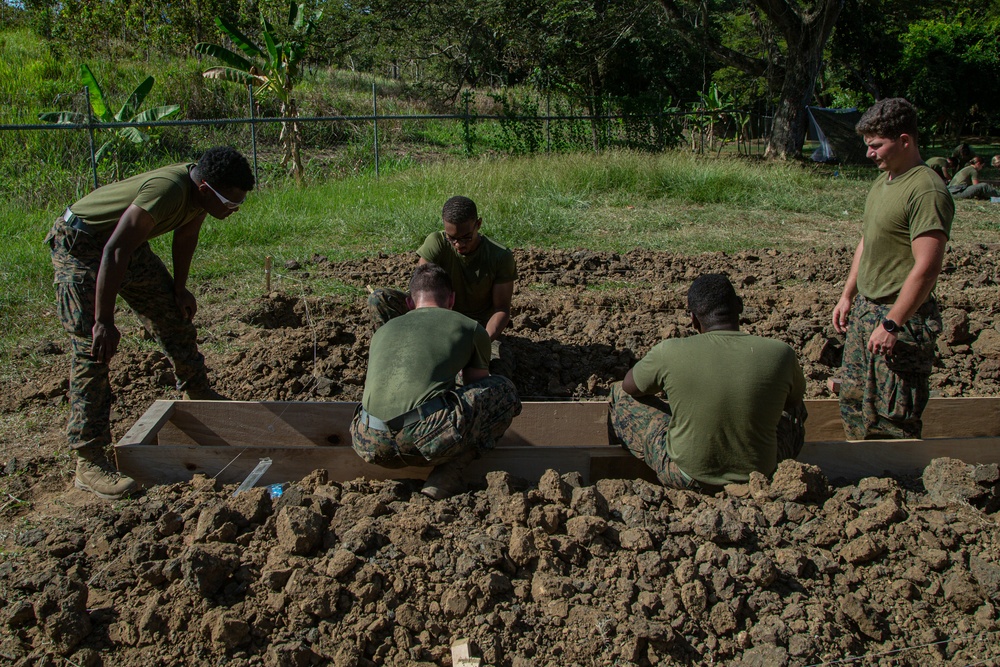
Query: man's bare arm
point(503, 294)
point(629, 386)
point(184, 244)
point(928, 256)
point(843, 308)
point(132, 230)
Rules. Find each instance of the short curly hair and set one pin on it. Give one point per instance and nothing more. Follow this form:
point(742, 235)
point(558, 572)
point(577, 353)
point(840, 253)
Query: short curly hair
point(713, 299)
point(459, 209)
point(888, 118)
point(224, 166)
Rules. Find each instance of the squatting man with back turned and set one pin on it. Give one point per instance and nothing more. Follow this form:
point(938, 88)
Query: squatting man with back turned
point(413, 412)
point(732, 402)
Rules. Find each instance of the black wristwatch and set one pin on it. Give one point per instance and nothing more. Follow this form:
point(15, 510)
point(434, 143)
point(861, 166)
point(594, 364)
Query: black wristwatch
point(890, 326)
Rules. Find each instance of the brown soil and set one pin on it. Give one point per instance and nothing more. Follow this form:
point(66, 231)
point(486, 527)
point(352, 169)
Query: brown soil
point(536, 572)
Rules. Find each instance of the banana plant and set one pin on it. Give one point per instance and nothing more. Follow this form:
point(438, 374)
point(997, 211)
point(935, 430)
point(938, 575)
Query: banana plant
point(272, 70)
point(128, 113)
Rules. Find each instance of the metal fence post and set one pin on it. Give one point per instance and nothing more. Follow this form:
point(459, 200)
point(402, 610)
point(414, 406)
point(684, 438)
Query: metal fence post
point(90, 130)
point(468, 136)
point(253, 135)
point(375, 124)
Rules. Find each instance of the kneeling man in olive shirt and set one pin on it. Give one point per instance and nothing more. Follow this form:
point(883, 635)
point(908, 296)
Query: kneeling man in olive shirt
point(732, 402)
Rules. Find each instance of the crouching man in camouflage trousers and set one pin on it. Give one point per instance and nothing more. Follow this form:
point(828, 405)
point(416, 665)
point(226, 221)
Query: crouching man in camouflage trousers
point(733, 401)
point(887, 307)
point(412, 412)
point(100, 249)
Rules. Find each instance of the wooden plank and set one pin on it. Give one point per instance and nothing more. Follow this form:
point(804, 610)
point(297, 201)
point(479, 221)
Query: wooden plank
point(559, 424)
point(850, 460)
point(943, 418)
point(540, 424)
point(259, 423)
point(310, 424)
point(146, 429)
point(874, 458)
point(167, 464)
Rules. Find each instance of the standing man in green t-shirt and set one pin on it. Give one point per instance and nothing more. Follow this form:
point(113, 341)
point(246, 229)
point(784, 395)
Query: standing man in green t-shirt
point(481, 270)
point(412, 412)
point(887, 309)
point(732, 401)
point(100, 250)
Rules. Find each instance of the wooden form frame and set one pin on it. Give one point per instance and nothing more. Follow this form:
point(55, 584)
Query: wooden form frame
point(175, 440)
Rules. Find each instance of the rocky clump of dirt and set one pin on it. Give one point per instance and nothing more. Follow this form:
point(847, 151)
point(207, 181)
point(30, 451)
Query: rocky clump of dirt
point(781, 572)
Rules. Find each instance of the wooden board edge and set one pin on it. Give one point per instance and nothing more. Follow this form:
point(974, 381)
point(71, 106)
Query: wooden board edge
point(147, 427)
point(851, 461)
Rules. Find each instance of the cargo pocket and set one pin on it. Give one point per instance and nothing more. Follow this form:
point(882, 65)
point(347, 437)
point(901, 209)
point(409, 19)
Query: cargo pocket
point(436, 437)
point(75, 294)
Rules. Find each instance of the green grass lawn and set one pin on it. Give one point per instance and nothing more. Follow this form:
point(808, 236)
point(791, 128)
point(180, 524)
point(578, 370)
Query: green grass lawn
point(614, 202)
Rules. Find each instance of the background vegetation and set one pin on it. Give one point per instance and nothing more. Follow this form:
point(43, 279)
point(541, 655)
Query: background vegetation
point(643, 68)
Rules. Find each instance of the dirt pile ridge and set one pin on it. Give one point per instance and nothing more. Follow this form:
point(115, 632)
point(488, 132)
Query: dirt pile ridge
point(535, 572)
point(789, 572)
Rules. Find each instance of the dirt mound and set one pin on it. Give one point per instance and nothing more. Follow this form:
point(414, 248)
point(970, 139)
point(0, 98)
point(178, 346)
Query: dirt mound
point(622, 572)
point(536, 572)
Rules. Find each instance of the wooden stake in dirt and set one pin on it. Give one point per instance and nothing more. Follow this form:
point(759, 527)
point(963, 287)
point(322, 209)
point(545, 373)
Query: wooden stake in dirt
point(267, 273)
point(461, 655)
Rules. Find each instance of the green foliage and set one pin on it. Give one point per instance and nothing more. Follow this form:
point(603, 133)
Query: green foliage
point(113, 148)
point(954, 68)
point(273, 69)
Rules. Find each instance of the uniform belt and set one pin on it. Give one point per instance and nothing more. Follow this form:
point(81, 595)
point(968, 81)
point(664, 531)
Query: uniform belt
point(76, 222)
point(405, 419)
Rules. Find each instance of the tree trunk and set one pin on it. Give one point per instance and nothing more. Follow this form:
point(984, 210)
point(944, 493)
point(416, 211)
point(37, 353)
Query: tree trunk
point(291, 140)
point(806, 33)
point(788, 128)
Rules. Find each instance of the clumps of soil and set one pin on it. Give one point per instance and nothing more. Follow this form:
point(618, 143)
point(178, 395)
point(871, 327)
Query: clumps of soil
point(581, 319)
point(783, 572)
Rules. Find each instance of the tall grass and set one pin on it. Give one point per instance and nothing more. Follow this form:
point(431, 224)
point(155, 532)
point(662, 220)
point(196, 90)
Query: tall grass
point(615, 201)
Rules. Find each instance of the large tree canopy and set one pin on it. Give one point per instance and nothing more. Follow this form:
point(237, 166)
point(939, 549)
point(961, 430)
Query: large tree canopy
point(793, 36)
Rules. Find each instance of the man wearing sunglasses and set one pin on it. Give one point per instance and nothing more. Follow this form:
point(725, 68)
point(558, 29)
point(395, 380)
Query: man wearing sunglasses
point(100, 250)
point(481, 271)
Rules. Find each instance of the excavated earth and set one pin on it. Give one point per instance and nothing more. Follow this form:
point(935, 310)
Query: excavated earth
point(798, 570)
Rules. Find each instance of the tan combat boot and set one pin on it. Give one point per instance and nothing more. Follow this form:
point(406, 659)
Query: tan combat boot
point(448, 478)
point(95, 474)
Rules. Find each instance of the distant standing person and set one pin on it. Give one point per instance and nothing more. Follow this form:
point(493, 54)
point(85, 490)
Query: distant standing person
point(481, 271)
point(732, 402)
point(966, 184)
point(412, 412)
point(887, 309)
point(100, 250)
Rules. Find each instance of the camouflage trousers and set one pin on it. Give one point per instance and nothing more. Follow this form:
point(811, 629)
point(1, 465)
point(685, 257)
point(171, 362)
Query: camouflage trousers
point(148, 289)
point(640, 426)
point(387, 303)
point(473, 418)
point(884, 397)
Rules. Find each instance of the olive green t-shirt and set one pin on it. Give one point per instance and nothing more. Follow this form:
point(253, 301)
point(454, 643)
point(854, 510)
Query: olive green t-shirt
point(726, 391)
point(416, 356)
point(165, 193)
point(938, 164)
point(965, 176)
point(472, 275)
point(896, 212)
